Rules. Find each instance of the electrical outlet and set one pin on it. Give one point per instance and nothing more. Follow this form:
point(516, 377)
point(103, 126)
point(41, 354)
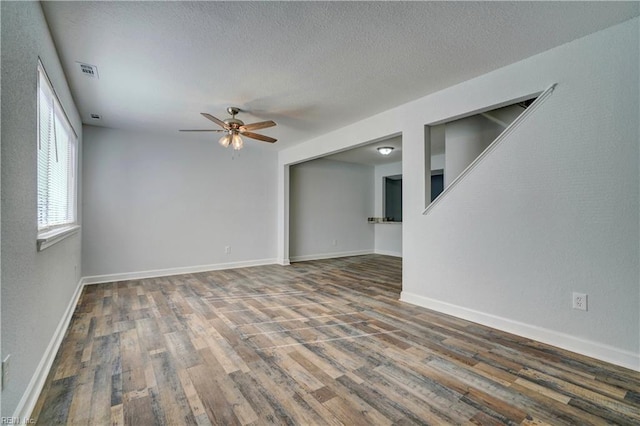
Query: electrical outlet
point(5, 371)
point(334, 242)
point(580, 301)
point(227, 249)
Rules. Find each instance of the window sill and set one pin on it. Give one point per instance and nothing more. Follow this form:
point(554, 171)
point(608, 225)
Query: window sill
point(49, 238)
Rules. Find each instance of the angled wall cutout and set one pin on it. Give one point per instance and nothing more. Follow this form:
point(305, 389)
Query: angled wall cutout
point(455, 146)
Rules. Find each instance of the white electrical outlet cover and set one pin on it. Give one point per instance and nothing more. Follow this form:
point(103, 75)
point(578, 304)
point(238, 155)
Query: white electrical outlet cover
point(580, 301)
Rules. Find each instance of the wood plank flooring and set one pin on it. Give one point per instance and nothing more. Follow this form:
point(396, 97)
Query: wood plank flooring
point(316, 343)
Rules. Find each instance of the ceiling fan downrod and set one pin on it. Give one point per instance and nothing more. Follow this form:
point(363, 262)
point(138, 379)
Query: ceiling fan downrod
point(233, 121)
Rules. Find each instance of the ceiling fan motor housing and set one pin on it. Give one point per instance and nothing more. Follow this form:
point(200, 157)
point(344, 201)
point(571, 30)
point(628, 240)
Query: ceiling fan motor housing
point(234, 123)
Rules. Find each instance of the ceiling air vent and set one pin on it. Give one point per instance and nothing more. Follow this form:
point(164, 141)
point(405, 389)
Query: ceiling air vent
point(88, 70)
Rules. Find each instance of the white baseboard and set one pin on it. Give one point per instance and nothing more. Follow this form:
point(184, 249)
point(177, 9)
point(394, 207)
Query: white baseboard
point(107, 278)
point(388, 253)
point(589, 348)
point(329, 255)
point(30, 396)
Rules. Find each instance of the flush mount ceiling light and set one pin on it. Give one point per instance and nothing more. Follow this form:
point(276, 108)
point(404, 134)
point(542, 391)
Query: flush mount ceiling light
point(234, 128)
point(385, 150)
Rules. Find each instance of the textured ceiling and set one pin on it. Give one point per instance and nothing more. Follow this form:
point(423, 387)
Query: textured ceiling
point(369, 155)
point(310, 66)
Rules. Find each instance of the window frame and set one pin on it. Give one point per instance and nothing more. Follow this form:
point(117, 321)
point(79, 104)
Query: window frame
point(51, 234)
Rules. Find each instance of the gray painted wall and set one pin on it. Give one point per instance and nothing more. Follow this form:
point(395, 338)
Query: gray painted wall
point(554, 209)
point(388, 237)
point(330, 201)
point(465, 140)
point(37, 287)
point(154, 202)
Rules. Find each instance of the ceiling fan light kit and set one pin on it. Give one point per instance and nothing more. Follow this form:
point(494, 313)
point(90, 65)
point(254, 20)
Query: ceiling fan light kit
point(232, 139)
point(225, 140)
point(236, 128)
point(236, 142)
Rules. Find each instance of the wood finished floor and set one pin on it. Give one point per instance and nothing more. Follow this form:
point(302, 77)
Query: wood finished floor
point(322, 342)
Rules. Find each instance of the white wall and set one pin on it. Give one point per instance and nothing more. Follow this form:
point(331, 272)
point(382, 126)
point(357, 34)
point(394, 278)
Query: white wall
point(388, 237)
point(465, 139)
point(330, 202)
point(551, 211)
point(437, 162)
point(504, 116)
point(158, 204)
point(37, 287)
point(554, 209)
point(437, 149)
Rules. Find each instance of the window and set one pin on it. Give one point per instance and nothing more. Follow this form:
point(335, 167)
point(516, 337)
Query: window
point(57, 167)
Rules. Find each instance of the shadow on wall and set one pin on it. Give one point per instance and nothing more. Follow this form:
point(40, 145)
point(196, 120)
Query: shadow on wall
point(457, 143)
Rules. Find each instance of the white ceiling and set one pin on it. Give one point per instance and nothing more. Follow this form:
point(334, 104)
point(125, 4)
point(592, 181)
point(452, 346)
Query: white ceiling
point(368, 154)
point(310, 66)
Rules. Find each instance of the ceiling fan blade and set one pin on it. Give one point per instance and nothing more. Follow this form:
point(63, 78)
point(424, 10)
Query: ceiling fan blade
point(203, 130)
point(259, 137)
point(256, 126)
point(215, 120)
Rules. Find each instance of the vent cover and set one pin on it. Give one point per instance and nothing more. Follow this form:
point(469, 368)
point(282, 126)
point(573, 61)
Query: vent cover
point(96, 116)
point(90, 71)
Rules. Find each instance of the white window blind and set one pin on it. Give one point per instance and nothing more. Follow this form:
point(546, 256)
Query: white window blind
point(57, 149)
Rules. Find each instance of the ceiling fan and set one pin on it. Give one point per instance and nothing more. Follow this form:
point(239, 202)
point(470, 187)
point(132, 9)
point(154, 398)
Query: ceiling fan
point(234, 127)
